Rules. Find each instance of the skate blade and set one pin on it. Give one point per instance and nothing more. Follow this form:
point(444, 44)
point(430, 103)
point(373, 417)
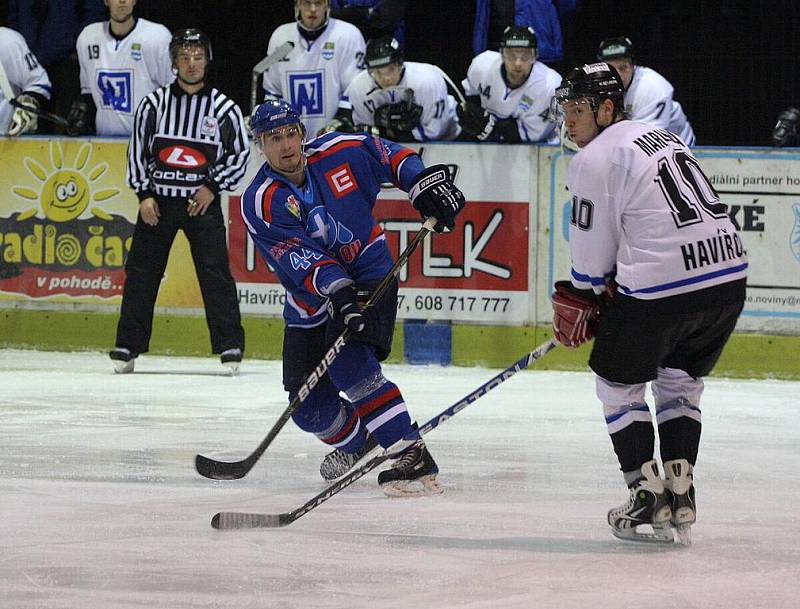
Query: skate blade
point(683, 534)
point(123, 367)
point(421, 487)
point(645, 534)
point(233, 368)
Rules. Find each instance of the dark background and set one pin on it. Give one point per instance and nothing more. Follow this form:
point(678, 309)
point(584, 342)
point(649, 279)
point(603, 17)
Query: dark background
point(734, 64)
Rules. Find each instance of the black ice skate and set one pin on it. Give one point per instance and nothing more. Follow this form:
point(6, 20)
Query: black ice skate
point(231, 358)
point(412, 474)
point(123, 360)
point(337, 463)
point(648, 508)
point(680, 491)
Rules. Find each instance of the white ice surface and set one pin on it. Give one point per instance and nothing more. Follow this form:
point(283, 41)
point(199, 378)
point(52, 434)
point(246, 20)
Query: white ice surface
point(100, 506)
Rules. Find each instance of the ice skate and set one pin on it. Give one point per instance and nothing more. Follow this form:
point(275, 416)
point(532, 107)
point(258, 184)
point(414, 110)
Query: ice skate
point(231, 358)
point(337, 463)
point(680, 490)
point(123, 360)
point(412, 474)
point(648, 508)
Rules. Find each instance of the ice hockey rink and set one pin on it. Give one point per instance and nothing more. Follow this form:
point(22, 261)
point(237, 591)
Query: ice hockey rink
point(101, 507)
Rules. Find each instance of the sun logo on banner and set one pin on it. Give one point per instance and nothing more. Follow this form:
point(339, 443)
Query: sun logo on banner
point(64, 192)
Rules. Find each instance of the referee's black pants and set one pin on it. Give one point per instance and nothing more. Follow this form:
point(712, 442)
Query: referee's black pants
point(147, 261)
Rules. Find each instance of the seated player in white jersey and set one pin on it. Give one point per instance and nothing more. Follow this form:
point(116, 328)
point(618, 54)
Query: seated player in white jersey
point(509, 93)
point(658, 278)
point(648, 95)
point(397, 100)
point(21, 79)
point(122, 61)
point(326, 55)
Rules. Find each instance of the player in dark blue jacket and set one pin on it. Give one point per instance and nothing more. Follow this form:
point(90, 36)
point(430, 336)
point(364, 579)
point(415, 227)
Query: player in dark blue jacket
point(309, 211)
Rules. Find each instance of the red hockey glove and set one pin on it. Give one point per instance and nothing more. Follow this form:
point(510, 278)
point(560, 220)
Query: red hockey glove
point(575, 315)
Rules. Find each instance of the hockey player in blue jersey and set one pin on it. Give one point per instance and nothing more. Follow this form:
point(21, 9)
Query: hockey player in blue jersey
point(309, 210)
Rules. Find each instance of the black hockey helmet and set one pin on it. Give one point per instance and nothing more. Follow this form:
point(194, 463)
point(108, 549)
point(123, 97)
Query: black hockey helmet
point(189, 37)
point(594, 82)
point(519, 37)
point(381, 52)
point(615, 48)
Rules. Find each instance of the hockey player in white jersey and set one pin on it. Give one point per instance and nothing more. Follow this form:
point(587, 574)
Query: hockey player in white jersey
point(509, 93)
point(122, 61)
point(658, 277)
point(23, 79)
point(327, 56)
point(397, 100)
point(648, 95)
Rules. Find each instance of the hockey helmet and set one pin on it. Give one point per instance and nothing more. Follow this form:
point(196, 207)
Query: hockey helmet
point(189, 37)
point(273, 114)
point(519, 37)
point(593, 82)
point(620, 47)
point(381, 52)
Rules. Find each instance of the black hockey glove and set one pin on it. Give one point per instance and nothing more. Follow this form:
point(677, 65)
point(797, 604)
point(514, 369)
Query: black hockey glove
point(79, 118)
point(474, 121)
point(785, 131)
point(434, 194)
point(342, 121)
point(400, 116)
point(343, 306)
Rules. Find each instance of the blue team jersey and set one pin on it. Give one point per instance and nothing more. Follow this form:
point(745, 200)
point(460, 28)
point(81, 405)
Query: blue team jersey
point(325, 231)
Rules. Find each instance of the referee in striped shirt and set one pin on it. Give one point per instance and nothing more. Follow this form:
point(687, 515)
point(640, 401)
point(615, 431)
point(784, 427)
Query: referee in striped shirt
point(189, 143)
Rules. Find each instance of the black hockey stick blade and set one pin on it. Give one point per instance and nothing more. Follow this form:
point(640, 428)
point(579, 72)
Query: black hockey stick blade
point(244, 520)
point(225, 470)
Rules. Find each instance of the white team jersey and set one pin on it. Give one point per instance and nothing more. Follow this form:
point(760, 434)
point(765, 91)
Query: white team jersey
point(314, 75)
point(529, 103)
point(423, 84)
point(121, 73)
point(20, 72)
point(642, 205)
point(648, 99)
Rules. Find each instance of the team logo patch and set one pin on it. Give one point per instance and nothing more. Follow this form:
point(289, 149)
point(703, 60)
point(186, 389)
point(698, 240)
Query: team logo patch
point(327, 50)
point(525, 103)
point(293, 206)
point(209, 126)
point(136, 51)
point(341, 180)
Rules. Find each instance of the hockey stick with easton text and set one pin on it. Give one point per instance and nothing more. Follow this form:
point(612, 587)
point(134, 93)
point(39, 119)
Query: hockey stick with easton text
point(242, 520)
point(279, 54)
point(224, 470)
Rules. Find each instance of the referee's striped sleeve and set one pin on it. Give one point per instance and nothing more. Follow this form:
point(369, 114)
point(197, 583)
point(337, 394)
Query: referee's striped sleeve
point(139, 152)
point(232, 164)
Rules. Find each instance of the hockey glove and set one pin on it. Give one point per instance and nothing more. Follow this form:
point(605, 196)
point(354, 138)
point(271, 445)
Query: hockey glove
point(433, 194)
point(343, 306)
point(401, 116)
point(474, 121)
point(575, 314)
point(23, 121)
point(785, 131)
point(342, 121)
point(79, 118)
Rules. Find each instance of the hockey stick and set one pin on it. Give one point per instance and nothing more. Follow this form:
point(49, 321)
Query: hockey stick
point(48, 116)
point(279, 54)
point(224, 470)
point(241, 520)
point(453, 86)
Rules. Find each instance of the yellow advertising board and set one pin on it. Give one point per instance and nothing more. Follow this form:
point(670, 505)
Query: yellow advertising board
point(66, 222)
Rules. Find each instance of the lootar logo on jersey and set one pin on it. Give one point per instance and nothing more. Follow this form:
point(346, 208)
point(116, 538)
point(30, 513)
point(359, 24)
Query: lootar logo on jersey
point(117, 89)
point(182, 156)
point(306, 96)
